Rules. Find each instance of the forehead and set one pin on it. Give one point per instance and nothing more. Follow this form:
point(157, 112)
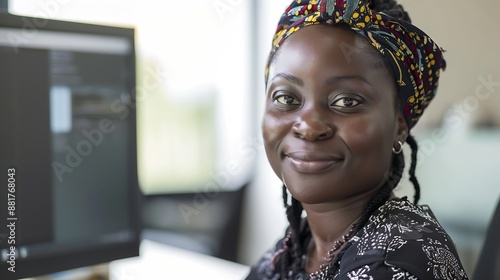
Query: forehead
point(328, 51)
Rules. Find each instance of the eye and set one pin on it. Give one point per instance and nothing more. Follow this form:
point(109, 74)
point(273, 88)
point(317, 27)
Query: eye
point(345, 102)
point(286, 100)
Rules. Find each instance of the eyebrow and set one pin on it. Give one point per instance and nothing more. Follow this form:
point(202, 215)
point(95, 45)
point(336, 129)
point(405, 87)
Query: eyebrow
point(333, 80)
point(291, 78)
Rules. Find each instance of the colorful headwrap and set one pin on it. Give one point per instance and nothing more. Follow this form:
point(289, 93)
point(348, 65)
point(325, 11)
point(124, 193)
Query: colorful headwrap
point(414, 58)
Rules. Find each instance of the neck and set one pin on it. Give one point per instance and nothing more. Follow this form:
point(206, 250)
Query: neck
point(329, 222)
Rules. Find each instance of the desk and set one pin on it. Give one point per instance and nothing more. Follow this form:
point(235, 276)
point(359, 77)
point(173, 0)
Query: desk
point(161, 262)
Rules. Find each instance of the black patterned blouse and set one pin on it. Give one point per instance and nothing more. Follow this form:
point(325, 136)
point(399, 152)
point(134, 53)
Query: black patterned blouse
point(400, 241)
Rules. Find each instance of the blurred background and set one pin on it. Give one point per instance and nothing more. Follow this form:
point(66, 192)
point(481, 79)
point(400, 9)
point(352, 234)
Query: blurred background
point(206, 182)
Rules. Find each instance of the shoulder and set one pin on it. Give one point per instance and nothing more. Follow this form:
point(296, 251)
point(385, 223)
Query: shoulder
point(401, 237)
point(268, 267)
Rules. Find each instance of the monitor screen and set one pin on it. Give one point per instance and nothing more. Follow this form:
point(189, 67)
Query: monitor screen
point(69, 196)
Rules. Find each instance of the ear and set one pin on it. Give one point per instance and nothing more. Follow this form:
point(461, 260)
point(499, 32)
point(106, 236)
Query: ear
point(401, 128)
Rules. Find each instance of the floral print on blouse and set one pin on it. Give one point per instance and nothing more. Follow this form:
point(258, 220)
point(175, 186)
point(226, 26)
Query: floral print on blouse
point(401, 241)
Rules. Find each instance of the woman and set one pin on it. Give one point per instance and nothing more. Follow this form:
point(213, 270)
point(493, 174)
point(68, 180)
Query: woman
point(345, 82)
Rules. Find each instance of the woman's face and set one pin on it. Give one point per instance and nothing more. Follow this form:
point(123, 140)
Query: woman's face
point(330, 120)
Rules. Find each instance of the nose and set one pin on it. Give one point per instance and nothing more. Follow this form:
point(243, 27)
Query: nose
point(313, 125)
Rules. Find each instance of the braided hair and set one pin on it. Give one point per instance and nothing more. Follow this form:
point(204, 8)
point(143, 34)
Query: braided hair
point(391, 8)
point(292, 258)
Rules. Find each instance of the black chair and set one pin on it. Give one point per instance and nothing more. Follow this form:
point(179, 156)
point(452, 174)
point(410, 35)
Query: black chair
point(178, 220)
point(488, 265)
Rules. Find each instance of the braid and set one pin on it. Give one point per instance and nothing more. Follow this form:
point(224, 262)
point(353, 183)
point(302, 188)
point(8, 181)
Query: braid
point(398, 165)
point(391, 8)
point(285, 197)
point(294, 216)
point(293, 212)
point(414, 150)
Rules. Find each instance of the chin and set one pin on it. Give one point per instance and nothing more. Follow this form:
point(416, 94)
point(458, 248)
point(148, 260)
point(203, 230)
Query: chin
point(313, 188)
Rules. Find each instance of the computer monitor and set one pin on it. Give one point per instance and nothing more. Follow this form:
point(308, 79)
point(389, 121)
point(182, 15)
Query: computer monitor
point(69, 194)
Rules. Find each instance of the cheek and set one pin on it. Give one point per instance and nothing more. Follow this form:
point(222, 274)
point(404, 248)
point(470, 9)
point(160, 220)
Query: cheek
point(270, 129)
point(274, 130)
point(370, 141)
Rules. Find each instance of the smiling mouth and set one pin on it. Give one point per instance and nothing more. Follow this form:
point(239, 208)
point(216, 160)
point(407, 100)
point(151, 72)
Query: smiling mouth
point(312, 163)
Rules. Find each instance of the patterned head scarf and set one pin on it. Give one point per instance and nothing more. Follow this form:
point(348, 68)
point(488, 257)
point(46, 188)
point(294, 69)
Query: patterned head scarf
point(414, 58)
